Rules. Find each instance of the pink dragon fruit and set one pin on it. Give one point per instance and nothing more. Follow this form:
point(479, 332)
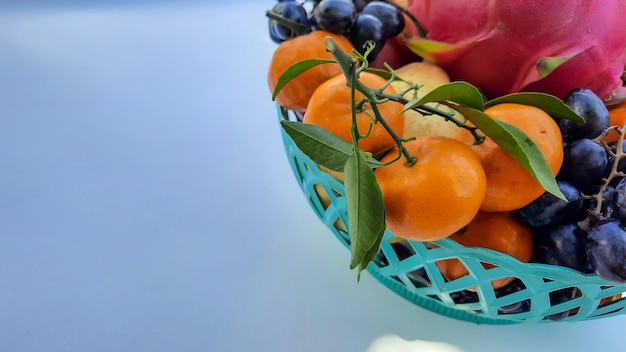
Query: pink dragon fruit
point(505, 46)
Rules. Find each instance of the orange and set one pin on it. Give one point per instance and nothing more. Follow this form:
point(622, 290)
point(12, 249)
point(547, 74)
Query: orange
point(607, 300)
point(295, 95)
point(330, 108)
point(499, 231)
point(617, 116)
point(509, 185)
point(436, 196)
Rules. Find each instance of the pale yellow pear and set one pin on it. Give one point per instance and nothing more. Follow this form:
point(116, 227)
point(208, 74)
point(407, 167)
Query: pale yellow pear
point(429, 77)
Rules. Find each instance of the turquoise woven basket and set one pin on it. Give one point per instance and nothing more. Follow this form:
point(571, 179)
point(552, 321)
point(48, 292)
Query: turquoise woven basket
point(539, 293)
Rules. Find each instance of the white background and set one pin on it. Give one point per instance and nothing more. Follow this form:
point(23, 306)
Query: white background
point(146, 203)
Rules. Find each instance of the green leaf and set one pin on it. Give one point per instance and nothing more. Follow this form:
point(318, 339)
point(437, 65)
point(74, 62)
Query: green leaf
point(366, 212)
point(322, 146)
point(518, 144)
point(459, 92)
point(296, 69)
point(552, 105)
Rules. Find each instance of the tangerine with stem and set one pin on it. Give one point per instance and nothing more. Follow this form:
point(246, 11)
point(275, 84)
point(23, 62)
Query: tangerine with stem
point(437, 195)
point(331, 107)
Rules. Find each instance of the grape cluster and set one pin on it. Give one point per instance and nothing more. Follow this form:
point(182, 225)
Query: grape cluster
point(361, 21)
point(586, 233)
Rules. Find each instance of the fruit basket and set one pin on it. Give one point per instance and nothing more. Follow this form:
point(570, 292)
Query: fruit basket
point(539, 293)
point(511, 208)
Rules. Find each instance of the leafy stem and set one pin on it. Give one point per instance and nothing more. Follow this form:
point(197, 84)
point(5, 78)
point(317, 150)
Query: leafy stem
point(425, 109)
point(354, 130)
point(347, 64)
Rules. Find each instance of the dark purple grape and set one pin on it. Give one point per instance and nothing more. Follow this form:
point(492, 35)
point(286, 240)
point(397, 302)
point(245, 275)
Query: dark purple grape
point(588, 105)
point(608, 204)
point(619, 201)
point(464, 297)
point(517, 307)
point(402, 249)
point(584, 165)
point(313, 23)
point(562, 245)
point(606, 249)
point(335, 16)
point(389, 15)
point(561, 296)
point(367, 28)
point(419, 278)
point(467, 296)
point(621, 165)
point(290, 10)
point(360, 4)
point(548, 209)
point(381, 260)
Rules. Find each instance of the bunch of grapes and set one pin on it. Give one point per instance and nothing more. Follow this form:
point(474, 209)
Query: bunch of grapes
point(361, 21)
point(587, 232)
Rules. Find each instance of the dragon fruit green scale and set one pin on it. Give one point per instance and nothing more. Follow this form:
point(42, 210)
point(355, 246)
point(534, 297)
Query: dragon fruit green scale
point(506, 46)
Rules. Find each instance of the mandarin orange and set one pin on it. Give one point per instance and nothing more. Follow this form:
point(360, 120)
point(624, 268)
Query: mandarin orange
point(295, 95)
point(436, 196)
point(617, 116)
point(499, 231)
point(330, 107)
point(509, 185)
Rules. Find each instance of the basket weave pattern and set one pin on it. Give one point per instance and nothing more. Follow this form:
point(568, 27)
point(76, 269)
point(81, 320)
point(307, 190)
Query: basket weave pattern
point(409, 268)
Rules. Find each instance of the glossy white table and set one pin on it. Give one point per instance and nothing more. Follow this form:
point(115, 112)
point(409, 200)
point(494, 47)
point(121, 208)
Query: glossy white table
point(146, 203)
